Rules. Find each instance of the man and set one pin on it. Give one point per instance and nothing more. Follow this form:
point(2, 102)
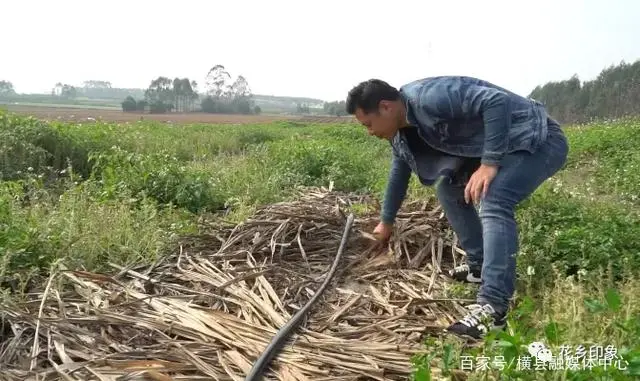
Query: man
point(480, 144)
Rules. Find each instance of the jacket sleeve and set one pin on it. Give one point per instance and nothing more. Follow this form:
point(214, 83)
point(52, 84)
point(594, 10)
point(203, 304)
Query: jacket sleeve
point(397, 185)
point(458, 100)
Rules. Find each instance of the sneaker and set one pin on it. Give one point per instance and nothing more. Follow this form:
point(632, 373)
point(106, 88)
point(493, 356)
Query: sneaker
point(464, 273)
point(478, 322)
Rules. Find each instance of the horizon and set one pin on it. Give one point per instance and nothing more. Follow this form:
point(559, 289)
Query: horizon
point(299, 57)
point(294, 96)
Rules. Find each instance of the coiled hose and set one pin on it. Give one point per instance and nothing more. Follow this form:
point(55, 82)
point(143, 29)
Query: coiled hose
point(257, 371)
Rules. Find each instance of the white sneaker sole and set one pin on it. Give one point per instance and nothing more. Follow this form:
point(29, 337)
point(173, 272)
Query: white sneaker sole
point(473, 279)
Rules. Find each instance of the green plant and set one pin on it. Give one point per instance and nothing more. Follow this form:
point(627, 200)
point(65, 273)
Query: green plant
point(605, 328)
point(160, 175)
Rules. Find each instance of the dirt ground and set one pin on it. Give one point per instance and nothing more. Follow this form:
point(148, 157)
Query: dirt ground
point(84, 115)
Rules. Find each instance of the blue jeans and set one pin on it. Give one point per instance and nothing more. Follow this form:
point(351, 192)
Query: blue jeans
point(490, 237)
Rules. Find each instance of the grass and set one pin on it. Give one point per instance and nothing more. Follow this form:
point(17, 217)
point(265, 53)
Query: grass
point(92, 193)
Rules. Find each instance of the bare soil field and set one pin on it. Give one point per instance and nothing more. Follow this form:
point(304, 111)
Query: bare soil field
point(87, 115)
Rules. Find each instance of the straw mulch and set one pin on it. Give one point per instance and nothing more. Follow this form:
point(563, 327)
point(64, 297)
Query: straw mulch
point(207, 311)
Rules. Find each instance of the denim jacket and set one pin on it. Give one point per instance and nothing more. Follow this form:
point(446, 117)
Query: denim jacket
point(458, 119)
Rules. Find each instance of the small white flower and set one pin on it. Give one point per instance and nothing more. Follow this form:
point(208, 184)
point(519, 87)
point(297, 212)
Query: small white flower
point(531, 270)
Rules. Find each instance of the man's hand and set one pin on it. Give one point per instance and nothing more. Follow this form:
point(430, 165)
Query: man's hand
point(478, 184)
point(383, 231)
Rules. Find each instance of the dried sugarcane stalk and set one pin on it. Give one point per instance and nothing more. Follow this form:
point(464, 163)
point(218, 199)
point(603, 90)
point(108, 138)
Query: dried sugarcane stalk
point(209, 308)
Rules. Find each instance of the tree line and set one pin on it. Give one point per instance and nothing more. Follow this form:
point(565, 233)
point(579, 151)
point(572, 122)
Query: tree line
point(614, 93)
point(91, 89)
point(337, 108)
point(95, 89)
point(165, 95)
point(221, 95)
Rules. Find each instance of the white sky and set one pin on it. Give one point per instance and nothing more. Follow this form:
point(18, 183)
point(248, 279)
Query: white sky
point(282, 50)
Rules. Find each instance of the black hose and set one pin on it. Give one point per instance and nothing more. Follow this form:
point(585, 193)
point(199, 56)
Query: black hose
point(281, 336)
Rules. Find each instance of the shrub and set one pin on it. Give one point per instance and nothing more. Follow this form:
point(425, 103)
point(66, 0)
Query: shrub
point(160, 176)
point(26, 142)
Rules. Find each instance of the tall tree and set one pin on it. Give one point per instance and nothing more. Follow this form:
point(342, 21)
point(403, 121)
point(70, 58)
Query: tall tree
point(178, 94)
point(189, 94)
point(217, 81)
point(183, 94)
point(224, 96)
point(240, 88)
point(194, 96)
point(160, 95)
point(69, 92)
point(64, 91)
point(6, 88)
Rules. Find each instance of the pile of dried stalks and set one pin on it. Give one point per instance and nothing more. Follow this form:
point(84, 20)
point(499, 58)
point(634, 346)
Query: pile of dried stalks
point(209, 310)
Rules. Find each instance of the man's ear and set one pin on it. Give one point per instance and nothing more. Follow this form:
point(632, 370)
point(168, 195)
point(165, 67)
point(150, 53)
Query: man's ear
point(385, 106)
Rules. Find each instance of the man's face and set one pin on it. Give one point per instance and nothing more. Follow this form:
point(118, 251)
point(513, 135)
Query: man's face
point(384, 123)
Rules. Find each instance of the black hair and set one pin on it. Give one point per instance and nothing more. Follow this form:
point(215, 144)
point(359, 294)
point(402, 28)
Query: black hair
point(368, 94)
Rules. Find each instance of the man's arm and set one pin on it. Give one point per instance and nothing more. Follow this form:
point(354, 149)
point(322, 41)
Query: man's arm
point(454, 100)
point(397, 185)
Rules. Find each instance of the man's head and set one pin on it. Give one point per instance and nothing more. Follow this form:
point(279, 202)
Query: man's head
point(378, 106)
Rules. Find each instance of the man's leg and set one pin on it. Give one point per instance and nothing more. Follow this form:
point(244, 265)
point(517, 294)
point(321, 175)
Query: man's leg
point(521, 173)
point(464, 220)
